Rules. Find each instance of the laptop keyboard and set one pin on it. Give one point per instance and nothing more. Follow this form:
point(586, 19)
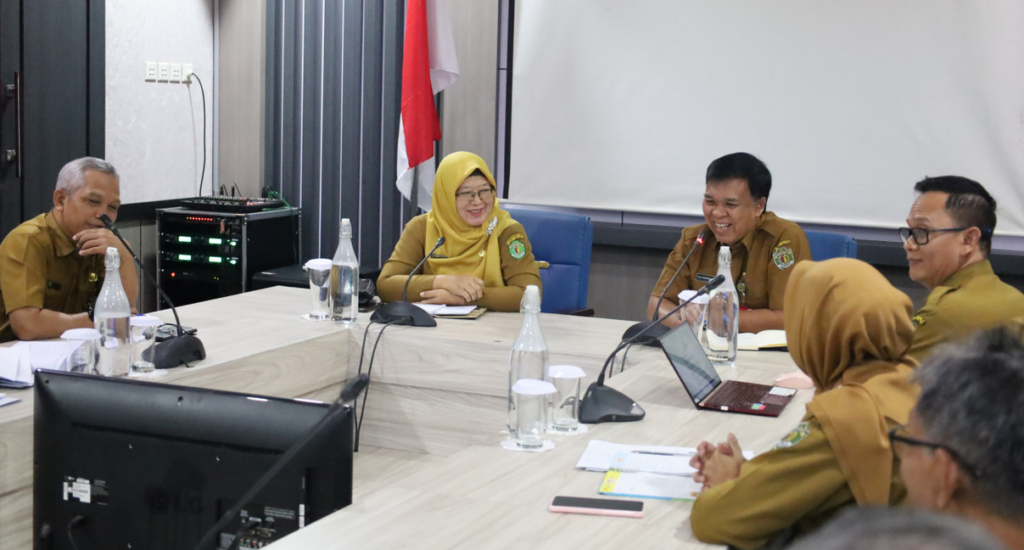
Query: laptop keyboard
point(737, 394)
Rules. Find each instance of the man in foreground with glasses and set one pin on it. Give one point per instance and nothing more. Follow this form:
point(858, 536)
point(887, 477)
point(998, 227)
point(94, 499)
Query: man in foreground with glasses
point(948, 242)
point(961, 450)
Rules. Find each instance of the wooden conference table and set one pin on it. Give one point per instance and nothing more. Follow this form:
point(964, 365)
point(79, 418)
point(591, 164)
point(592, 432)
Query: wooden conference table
point(430, 472)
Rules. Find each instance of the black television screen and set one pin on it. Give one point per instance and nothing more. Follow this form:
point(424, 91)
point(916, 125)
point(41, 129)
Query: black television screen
point(127, 464)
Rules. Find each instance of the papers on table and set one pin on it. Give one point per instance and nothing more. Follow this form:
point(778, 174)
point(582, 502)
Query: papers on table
point(4, 400)
point(18, 362)
point(643, 471)
point(443, 310)
point(764, 340)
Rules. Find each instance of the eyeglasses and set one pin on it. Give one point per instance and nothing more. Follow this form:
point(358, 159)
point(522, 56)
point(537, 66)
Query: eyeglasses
point(920, 234)
point(894, 437)
point(483, 194)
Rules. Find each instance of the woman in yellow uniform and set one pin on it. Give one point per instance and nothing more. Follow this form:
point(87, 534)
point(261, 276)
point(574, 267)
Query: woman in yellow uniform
point(849, 330)
point(486, 259)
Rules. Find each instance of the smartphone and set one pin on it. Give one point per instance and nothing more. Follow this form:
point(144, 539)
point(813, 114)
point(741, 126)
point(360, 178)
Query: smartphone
point(598, 506)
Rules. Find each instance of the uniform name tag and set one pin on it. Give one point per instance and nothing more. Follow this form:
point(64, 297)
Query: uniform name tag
point(704, 278)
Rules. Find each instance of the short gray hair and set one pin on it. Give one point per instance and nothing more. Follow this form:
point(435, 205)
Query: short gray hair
point(972, 402)
point(72, 176)
point(878, 528)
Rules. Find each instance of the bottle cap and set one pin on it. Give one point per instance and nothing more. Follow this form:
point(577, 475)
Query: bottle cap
point(531, 300)
point(346, 227)
point(112, 259)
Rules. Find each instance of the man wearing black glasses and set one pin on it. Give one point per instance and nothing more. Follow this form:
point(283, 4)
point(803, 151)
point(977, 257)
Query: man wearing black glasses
point(961, 450)
point(947, 243)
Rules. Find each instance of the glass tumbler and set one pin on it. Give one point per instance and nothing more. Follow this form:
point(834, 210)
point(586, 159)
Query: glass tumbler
point(82, 345)
point(565, 411)
point(143, 330)
point(320, 286)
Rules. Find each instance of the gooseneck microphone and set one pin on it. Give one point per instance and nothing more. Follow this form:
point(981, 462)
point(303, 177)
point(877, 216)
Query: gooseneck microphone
point(651, 335)
point(402, 312)
point(348, 394)
point(179, 350)
point(603, 404)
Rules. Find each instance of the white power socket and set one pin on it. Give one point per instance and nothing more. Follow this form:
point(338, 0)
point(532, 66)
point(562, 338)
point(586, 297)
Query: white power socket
point(186, 72)
point(151, 70)
point(163, 71)
point(168, 72)
point(175, 72)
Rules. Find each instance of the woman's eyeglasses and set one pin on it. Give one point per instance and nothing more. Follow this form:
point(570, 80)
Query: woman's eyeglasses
point(483, 194)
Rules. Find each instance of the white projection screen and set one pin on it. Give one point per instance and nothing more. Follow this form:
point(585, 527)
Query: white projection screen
point(621, 105)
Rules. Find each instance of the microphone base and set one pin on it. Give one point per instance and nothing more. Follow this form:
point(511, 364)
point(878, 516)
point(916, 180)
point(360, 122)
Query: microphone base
point(177, 351)
point(648, 338)
point(403, 313)
point(603, 404)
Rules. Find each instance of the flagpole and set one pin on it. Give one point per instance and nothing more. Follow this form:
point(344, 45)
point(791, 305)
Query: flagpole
point(414, 192)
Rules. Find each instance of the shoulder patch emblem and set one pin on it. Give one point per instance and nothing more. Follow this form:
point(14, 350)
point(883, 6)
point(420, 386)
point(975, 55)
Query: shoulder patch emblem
point(798, 434)
point(783, 256)
point(517, 249)
point(514, 237)
point(917, 320)
point(784, 242)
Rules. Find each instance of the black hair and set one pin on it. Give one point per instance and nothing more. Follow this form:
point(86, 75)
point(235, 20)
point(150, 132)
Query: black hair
point(969, 204)
point(742, 166)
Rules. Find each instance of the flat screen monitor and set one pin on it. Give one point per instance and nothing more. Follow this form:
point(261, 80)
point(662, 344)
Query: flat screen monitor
point(127, 464)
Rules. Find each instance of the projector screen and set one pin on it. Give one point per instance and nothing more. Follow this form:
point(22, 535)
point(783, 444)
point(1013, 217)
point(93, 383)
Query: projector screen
point(622, 105)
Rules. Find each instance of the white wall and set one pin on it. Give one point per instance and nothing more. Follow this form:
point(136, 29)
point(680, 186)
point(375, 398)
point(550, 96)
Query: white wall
point(154, 129)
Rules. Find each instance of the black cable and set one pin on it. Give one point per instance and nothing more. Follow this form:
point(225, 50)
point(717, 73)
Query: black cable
point(251, 522)
point(203, 173)
point(359, 370)
point(234, 187)
point(79, 518)
point(369, 372)
point(625, 353)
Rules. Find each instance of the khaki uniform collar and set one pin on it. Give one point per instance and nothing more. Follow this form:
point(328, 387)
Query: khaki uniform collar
point(61, 242)
point(976, 269)
point(764, 222)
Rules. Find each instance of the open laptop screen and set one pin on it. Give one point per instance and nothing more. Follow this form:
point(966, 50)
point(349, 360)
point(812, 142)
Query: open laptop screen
point(690, 361)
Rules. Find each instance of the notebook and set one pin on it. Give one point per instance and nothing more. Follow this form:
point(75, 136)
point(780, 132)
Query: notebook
point(706, 388)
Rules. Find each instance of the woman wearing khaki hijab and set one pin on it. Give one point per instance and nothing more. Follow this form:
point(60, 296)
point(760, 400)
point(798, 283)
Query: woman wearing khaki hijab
point(848, 329)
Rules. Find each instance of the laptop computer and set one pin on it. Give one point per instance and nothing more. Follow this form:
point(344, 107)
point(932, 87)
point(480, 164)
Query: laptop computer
point(706, 388)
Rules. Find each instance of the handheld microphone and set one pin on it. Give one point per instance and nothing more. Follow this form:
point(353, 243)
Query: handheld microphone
point(601, 403)
point(402, 312)
point(644, 327)
point(348, 394)
point(183, 348)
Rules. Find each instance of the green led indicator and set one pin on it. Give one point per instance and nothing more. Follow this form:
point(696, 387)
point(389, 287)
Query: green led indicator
point(233, 261)
point(233, 243)
point(215, 259)
point(214, 240)
point(185, 257)
point(184, 239)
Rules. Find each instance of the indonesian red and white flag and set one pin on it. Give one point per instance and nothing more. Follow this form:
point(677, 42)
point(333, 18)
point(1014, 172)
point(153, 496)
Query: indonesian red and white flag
point(428, 66)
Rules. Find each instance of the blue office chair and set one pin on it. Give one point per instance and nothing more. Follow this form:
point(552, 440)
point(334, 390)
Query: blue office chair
point(563, 241)
point(825, 245)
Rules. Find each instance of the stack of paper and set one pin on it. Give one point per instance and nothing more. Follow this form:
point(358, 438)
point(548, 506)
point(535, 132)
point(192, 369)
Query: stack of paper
point(4, 400)
point(15, 368)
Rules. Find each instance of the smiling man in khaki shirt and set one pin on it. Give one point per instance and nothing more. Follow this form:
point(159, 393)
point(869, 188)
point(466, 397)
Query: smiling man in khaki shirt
point(51, 267)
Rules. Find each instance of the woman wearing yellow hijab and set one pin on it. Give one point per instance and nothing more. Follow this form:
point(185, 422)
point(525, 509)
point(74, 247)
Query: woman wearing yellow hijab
point(486, 259)
point(849, 330)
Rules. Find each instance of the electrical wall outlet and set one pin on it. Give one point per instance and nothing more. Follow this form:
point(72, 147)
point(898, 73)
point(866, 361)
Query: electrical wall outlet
point(163, 71)
point(186, 72)
point(175, 72)
point(151, 70)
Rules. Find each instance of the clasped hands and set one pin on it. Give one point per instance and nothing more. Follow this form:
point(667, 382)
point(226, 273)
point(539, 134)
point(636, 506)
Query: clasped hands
point(454, 290)
point(717, 463)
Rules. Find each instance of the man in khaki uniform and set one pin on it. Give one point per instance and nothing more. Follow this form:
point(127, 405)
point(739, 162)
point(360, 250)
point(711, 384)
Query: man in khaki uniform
point(764, 246)
point(948, 242)
point(51, 267)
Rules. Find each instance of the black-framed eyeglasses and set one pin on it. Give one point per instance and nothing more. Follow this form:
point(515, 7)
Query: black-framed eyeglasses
point(921, 234)
point(895, 436)
point(471, 195)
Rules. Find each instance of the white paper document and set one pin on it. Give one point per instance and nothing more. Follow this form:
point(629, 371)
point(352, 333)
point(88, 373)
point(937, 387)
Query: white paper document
point(15, 365)
point(599, 455)
point(442, 310)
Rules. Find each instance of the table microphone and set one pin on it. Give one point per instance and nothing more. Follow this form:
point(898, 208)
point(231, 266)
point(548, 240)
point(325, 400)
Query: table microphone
point(402, 312)
point(348, 394)
point(652, 334)
point(179, 350)
point(604, 404)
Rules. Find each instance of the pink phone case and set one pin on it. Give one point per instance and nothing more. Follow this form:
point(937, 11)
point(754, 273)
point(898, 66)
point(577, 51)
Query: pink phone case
point(595, 511)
